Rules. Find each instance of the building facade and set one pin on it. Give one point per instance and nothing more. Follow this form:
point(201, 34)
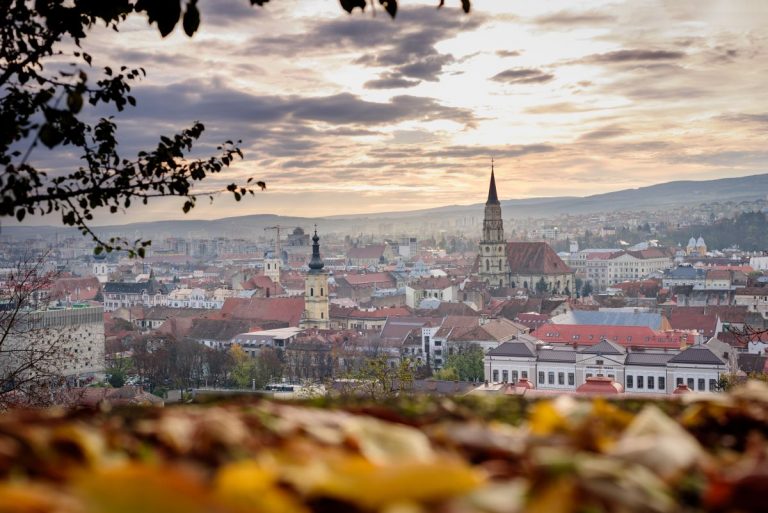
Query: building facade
point(316, 304)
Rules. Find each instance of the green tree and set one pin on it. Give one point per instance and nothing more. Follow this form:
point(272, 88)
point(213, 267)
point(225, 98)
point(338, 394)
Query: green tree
point(541, 286)
point(447, 374)
point(116, 377)
point(243, 368)
point(467, 362)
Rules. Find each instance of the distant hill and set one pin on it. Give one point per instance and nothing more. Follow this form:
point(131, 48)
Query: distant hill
point(671, 194)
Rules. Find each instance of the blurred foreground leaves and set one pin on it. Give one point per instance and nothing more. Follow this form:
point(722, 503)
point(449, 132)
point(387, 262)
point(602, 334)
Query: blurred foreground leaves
point(698, 453)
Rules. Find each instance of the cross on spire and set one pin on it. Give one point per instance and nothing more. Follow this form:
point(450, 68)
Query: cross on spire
point(493, 198)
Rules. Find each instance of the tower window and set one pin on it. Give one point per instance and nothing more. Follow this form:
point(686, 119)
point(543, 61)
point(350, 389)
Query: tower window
point(321, 291)
point(487, 265)
point(311, 291)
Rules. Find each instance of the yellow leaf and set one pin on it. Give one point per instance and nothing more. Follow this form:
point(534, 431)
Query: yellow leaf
point(545, 419)
point(248, 486)
point(364, 484)
point(136, 488)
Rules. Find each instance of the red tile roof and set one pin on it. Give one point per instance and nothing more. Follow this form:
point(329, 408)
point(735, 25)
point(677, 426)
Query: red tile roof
point(369, 279)
point(367, 252)
point(534, 258)
point(600, 386)
point(263, 282)
point(282, 309)
point(627, 336)
point(680, 319)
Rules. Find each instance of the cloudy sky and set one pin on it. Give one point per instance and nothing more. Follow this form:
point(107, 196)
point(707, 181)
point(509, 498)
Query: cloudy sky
point(348, 114)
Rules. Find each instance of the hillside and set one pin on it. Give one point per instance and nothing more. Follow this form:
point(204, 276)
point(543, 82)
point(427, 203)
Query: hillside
point(644, 198)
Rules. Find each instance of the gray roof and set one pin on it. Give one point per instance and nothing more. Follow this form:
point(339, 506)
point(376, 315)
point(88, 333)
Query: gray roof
point(648, 359)
point(697, 355)
point(553, 355)
point(516, 348)
point(685, 273)
point(652, 320)
point(128, 287)
point(604, 347)
point(749, 362)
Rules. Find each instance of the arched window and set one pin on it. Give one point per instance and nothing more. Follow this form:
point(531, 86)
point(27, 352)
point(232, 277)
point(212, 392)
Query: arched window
point(311, 291)
point(525, 284)
point(322, 315)
point(487, 265)
point(321, 291)
point(500, 267)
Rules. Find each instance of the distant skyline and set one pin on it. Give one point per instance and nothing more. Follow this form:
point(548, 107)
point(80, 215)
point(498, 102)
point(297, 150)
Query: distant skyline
point(348, 114)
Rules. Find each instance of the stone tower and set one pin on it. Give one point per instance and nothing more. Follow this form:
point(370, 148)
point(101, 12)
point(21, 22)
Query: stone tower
point(316, 302)
point(494, 268)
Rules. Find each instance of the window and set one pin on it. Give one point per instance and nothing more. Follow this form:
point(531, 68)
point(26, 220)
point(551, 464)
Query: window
point(651, 384)
point(571, 379)
point(712, 385)
point(679, 381)
point(438, 343)
point(599, 362)
point(524, 374)
point(505, 376)
point(439, 352)
point(589, 375)
point(561, 378)
point(321, 291)
point(514, 376)
point(640, 382)
point(662, 383)
point(630, 382)
point(322, 315)
point(311, 291)
point(541, 377)
point(496, 376)
point(701, 384)
point(551, 377)
point(690, 383)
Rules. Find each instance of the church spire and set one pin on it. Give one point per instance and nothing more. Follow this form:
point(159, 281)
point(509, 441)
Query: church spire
point(493, 198)
point(316, 263)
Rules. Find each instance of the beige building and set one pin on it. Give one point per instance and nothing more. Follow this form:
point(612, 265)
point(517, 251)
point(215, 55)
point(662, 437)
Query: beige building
point(316, 304)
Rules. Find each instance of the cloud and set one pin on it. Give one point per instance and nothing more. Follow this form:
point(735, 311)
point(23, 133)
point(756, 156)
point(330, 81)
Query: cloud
point(508, 53)
point(407, 48)
point(607, 132)
point(523, 76)
point(559, 108)
point(743, 118)
point(564, 19)
point(389, 81)
point(192, 100)
point(635, 55)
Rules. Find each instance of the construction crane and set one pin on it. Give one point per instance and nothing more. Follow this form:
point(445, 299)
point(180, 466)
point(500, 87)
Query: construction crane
point(277, 238)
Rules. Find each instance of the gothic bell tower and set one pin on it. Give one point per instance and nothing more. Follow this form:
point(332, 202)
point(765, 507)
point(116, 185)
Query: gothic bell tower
point(494, 267)
point(316, 304)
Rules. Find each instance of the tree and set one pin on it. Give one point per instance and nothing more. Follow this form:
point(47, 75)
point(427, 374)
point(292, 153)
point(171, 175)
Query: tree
point(586, 290)
point(41, 105)
point(32, 352)
point(467, 360)
point(541, 286)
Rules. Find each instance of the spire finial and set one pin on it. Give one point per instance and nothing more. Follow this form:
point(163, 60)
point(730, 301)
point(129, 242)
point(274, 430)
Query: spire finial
point(316, 263)
point(493, 198)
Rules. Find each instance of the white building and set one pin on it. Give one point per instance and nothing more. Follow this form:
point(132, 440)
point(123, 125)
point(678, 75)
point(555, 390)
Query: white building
point(565, 370)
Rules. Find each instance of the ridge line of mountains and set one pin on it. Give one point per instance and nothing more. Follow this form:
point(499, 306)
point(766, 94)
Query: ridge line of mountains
point(666, 195)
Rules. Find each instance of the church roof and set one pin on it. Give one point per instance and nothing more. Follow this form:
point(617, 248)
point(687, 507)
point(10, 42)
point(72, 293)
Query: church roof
point(493, 198)
point(534, 258)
